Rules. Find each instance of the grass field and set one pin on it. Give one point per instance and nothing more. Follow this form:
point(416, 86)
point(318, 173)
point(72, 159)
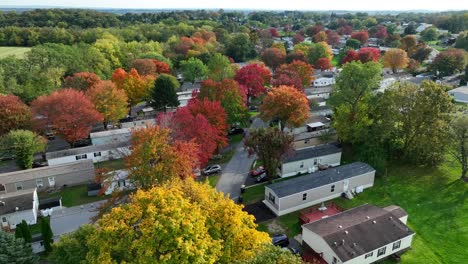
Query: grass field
point(15, 51)
point(436, 202)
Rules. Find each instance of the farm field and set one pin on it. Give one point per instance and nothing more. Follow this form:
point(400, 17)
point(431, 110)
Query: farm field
point(15, 51)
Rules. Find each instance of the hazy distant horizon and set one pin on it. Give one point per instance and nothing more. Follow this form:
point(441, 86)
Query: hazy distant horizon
point(301, 5)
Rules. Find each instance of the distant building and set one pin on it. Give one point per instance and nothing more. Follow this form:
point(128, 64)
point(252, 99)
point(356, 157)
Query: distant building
point(321, 82)
point(110, 136)
point(95, 153)
point(459, 94)
point(18, 206)
point(363, 235)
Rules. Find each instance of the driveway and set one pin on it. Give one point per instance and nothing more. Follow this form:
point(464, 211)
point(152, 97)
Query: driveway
point(236, 171)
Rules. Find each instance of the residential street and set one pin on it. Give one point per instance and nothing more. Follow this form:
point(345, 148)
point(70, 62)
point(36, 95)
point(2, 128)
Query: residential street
point(236, 171)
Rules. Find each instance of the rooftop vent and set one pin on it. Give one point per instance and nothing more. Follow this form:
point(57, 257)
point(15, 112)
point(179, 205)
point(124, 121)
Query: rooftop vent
point(374, 222)
point(16, 209)
point(2, 203)
point(340, 226)
point(346, 232)
point(334, 243)
point(342, 242)
point(390, 218)
point(367, 217)
point(354, 245)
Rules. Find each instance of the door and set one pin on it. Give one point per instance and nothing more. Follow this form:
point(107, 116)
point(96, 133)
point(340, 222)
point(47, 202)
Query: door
point(51, 181)
point(345, 185)
point(4, 221)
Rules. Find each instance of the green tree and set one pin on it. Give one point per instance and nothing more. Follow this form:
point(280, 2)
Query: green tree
point(270, 145)
point(353, 43)
point(449, 62)
point(47, 235)
point(15, 251)
point(271, 254)
point(219, 68)
point(24, 144)
point(164, 93)
point(319, 50)
point(22, 231)
point(458, 147)
point(462, 41)
point(73, 247)
point(351, 97)
point(193, 70)
point(239, 47)
point(430, 34)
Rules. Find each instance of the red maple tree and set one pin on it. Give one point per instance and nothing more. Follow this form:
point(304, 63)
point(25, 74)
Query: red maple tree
point(81, 80)
point(368, 54)
point(255, 77)
point(273, 57)
point(351, 55)
point(323, 64)
point(14, 114)
point(362, 36)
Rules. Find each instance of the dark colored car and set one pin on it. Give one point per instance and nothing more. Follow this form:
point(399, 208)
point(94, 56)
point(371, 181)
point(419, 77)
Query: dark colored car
point(281, 240)
point(262, 178)
point(257, 171)
point(236, 131)
point(253, 108)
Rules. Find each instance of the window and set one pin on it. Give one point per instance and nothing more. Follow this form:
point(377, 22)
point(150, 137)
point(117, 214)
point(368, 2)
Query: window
point(332, 188)
point(78, 157)
point(381, 251)
point(2, 188)
point(306, 141)
point(304, 196)
point(97, 154)
point(39, 183)
point(315, 161)
point(4, 219)
point(368, 255)
point(334, 260)
point(19, 186)
point(271, 197)
point(51, 181)
point(302, 165)
point(396, 245)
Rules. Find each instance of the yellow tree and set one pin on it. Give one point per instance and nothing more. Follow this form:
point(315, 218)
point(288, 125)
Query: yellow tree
point(286, 104)
point(395, 59)
point(179, 222)
point(136, 87)
point(109, 101)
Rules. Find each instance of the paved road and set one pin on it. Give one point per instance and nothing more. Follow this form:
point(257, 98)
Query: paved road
point(236, 171)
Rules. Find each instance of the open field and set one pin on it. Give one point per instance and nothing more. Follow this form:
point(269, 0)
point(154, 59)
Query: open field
point(15, 51)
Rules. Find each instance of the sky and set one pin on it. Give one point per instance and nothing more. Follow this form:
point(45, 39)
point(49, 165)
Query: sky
point(438, 5)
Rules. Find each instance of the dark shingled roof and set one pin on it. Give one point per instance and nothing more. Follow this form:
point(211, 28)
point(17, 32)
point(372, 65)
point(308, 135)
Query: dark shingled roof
point(363, 229)
point(21, 199)
point(313, 152)
point(321, 178)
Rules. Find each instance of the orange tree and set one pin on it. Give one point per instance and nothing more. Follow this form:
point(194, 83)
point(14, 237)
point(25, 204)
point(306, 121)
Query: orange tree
point(395, 59)
point(109, 101)
point(14, 114)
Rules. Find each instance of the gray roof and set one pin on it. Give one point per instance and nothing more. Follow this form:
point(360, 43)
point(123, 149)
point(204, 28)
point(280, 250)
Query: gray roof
point(31, 174)
point(84, 150)
point(363, 229)
point(313, 152)
point(23, 200)
point(318, 179)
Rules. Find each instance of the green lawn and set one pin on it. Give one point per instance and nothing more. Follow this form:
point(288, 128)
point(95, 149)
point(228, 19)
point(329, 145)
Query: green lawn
point(235, 139)
point(213, 180)
point(73, 196)
point(117, 164)
point(15, 51)
point(335, 61)
point(222, 159)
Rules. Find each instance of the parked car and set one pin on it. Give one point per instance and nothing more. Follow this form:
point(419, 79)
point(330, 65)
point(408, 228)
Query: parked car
point(253, 108)
point(261, 178)
point(235, 131)
point(281, 240)
point(212, 169)
point(257, 171)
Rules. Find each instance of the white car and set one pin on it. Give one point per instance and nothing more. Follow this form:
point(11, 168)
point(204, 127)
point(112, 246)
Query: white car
point(212, 169)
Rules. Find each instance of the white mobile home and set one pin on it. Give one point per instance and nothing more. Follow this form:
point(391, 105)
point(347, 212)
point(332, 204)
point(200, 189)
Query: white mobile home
point(304, 191)
point(361, 235)
point(95, 153)
point(113, 136)
point(18, 206)
point(308, 159)
point(321, 82)
point(459, 94)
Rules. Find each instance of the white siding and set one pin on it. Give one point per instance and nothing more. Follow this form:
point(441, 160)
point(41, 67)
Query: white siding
point(318, 245)
point(104, 156)
point(309, 165)
point(15, 218)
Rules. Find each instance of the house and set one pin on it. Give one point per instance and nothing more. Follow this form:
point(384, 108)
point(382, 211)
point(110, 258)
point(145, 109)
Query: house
point(422, 27)
point(312, 124)
point(459, 94)
point(18, 206)
point(298, 193)
point(137, 122)
point(95, 153)
point(318, 92)
point(310, 139)
point(110, 136)
point(184, 97)
point(73, 173)
point(364, 234)
point(321, 82)
point(308, 159)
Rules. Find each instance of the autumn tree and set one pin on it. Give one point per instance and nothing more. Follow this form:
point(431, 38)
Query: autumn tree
point(23, 144)
point(458, 146)
point(14, 250)
point(421, 52)
point(449, 62)
point(14, 114)
point(68, 111)
point(270, 145)
point(320, 37)
point(408, 44)
point(150, 67)
point(395, 59)
point(319, 50)
point(333, 39)
point(351, 55)
point(275, 255)
point(255, 77)
point(304, 71)
point(368, 54)
point(312, 30)
point(323, 64)
point(381, 32)
point(81, 80)
point(298, 38)
point(297, 55)
point(273, 57)
point(286, 104)
point(362, 36)
point(72, 247)
point(193, 70)
point(351, 98)
point(109, 101)
point(178, 222)
point(287, 77)
point(219, 68)
point(230, 95)
point(154, 160)
point(136, 87)
point(164, 93)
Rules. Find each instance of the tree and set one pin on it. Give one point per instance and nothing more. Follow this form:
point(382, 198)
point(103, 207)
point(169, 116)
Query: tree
point(68, 111)
point(297, 55)
point(255, 77)
point(323, 64)
point(14, 114)
point(271, 145)
point(287, 77)
point(136, 87)
point(73, 247)
point(47, 235)
point(320, 37)
point(362, 36)
point(351, 97)
point(448, 62)
point(178, 222)
point(462, 41)
point(164, 93)
point(273, 57)
point(239, 47)
point(109, 101)
point(408, 44)
point(421, 52)
point(298, 38)
point(381, 32)
point(304, 71)
point(353, 43)
point(23, 144)
point(22, 231)
point(312, 30)
point(219, 68)
point(286, 104)
point(395, 59)
point(154, 160)
point(351, 55)
point(193, 70)
point(230, 95)
point(333, 38)
point(274, 255)
point(81, 81)
point(458, 146)
point(319, 50)
point(151, 67)
point(430, 34)
point(409, 30)
point(368, 54)
point(15, 251)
